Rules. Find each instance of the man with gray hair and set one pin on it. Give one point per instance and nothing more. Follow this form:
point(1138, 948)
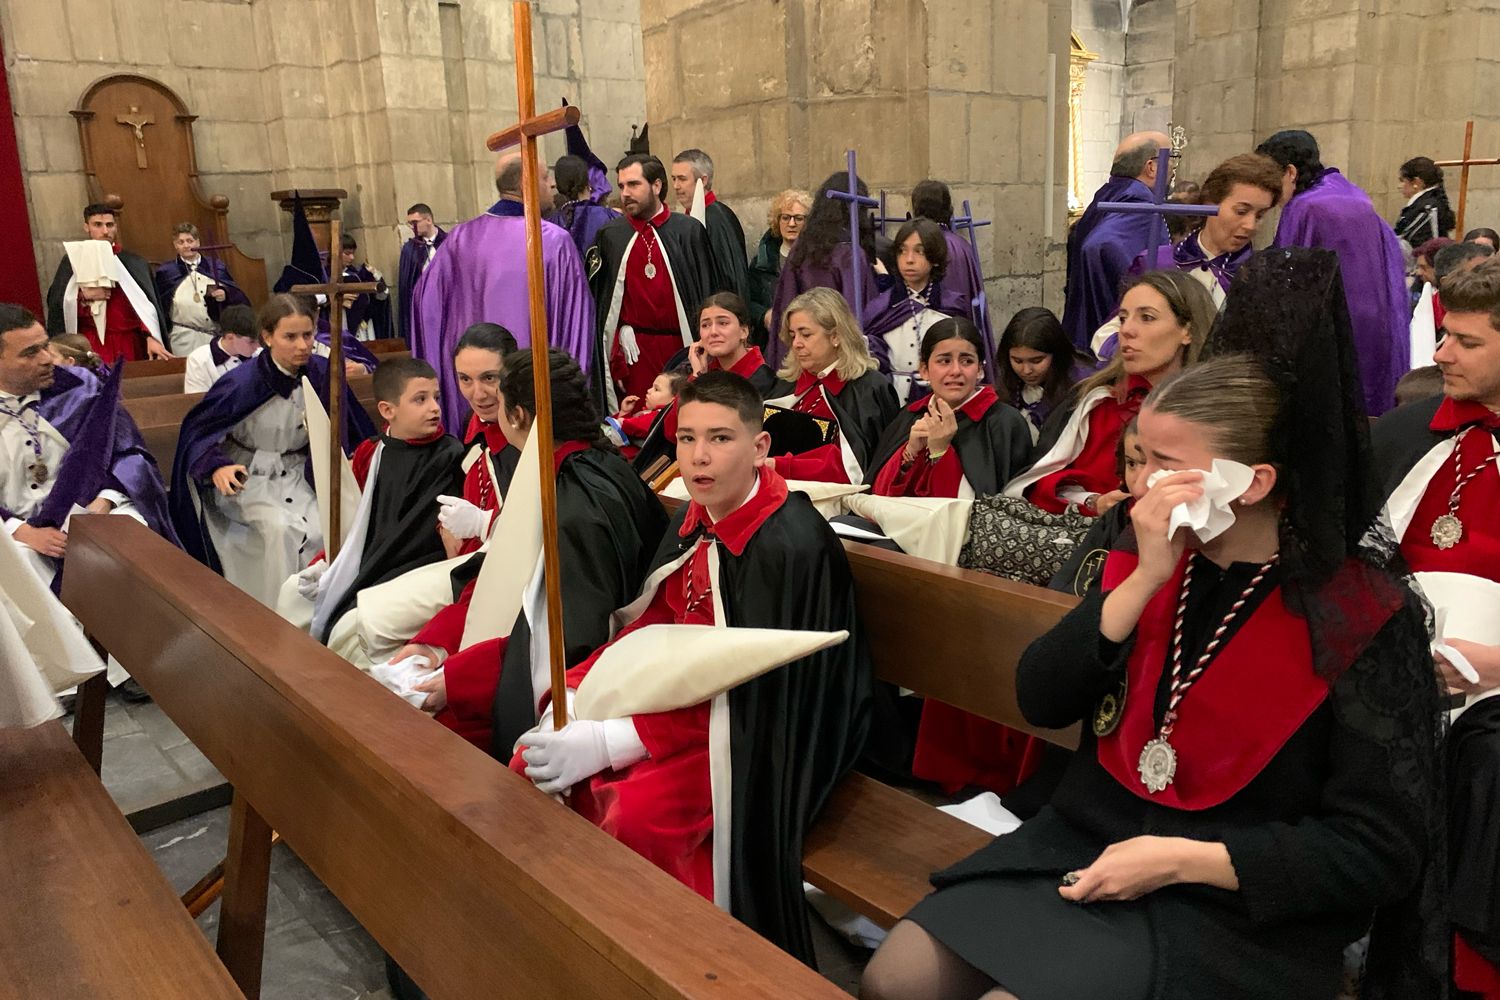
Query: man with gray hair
point(1102, 245)
point(726, 238)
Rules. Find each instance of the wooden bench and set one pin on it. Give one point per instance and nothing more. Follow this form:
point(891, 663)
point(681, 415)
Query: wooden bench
point(160, 417)
point(86, 912)
point(472, 879)
point(874, 847)
point(164, 378)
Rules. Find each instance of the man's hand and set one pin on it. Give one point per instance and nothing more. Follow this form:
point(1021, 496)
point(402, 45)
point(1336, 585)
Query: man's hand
point(1105, 502)
point(353, 368)
point(557, 761)
point(216, 293)
point(436, 687)
point(156, 352)
point(94, 294)
point(230, 479)
point(46, 541)
point(1484, 659)
point(101, 506)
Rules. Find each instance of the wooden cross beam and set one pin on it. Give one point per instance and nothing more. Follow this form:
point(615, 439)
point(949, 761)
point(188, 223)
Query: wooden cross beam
point(1159, 208)
point(335, 288)
point(524, 133)
point(1463, 178)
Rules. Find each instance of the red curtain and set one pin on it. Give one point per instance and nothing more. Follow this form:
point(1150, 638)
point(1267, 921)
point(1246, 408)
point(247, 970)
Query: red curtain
point(18, 282)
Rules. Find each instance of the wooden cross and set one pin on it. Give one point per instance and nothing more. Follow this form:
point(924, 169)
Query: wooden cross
point(1463, 178)
point(857, 203)
point(137, 123)
point(334, 289)
point(524, 134)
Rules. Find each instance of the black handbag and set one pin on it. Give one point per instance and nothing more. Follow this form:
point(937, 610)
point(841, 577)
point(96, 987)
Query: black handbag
point(1013, 538)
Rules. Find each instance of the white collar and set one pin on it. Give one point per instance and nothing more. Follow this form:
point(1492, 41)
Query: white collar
point(191, 263)
point(20, 402)
point(825, 372)
point(1413, 199)
point(287, 372)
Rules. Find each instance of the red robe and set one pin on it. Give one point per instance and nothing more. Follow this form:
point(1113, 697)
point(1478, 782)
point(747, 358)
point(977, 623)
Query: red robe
point(662, 807)
point(1095, 468)
point(124, 333)
point(649, 306)
point(479, 484)
point(924, 477)
point(824, 464)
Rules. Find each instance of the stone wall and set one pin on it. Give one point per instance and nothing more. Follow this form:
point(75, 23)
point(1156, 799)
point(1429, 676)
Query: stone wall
point(1377, 81)
point(1102, 123)
point(777, 91)
point(388, 99)
point(1150, 53)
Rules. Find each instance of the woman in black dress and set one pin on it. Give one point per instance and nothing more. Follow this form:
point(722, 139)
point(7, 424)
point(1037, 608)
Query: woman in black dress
point(1257, 779)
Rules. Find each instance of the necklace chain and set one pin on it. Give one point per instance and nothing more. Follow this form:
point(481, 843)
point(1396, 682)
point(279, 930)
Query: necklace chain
point(1460, 478)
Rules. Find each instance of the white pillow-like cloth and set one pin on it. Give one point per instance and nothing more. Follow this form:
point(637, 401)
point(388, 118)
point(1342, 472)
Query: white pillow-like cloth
point(932, 528)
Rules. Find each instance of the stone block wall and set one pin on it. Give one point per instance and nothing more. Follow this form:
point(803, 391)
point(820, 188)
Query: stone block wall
point(777, 91)
point(1150, 53)
point(1103, 122)
point(389, 99)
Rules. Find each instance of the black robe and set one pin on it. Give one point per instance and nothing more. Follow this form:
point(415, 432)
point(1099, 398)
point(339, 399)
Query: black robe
point(991, 450)
point(135, 265)
point(796, 731)
point(1416, 225)
point(863, 409)
point(1400, 438)
point(657, 442)
point(726, 239)
point(686, 244)
point(609, 524)
point(401, 534)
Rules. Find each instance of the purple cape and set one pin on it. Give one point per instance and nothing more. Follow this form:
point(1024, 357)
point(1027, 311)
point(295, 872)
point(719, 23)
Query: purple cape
point(174, 272)
point(480, 276)
point(892, 308)
point(582, 220)
point(1337, 215)
point(413, 256)
point(366, 306)
point(105, 451)
point(1100, 249)
point(239, 393)
point(837, 273)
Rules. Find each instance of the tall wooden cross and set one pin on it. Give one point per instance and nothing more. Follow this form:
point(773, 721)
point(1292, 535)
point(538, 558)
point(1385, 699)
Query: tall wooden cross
point(524, 134)
point(967, 223)
point(1463, 178)
point(334, 289)
point(856, 202)
point(1158, 208)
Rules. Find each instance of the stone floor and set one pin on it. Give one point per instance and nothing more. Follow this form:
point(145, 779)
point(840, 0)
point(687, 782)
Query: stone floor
point(315, 950)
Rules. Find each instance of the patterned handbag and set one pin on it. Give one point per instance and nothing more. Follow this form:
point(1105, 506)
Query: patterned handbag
point(1015, 539)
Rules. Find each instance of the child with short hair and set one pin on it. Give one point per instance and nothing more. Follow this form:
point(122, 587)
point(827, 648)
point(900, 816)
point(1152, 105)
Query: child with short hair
point(236, 343)
point(636, 415)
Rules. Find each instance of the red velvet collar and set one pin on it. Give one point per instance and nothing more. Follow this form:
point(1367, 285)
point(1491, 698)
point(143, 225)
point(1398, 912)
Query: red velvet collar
point(655, 222)
point(745, 366)
point(736, 530)
point(709, 198)
point(1454, 414)
point(565, 449)
point(1260, 689)
point(1135, 385)
point(832, 383)
point(494, 437)
point(418, 442)
point(978, 405)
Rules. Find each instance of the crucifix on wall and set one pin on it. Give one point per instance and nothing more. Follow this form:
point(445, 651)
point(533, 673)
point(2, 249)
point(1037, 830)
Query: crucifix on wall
point(137, 122)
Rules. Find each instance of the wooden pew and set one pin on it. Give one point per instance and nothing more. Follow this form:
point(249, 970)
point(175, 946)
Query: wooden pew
point(472, 879)
point(86, 912)
point(168, 380)
point(160, 418)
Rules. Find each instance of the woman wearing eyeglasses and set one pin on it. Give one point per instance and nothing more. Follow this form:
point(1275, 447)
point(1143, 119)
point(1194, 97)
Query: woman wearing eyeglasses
point(784, 223)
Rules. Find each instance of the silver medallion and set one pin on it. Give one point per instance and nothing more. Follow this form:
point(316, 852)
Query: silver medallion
point(650, 270)
point(1158, 765)
point(1447, 531)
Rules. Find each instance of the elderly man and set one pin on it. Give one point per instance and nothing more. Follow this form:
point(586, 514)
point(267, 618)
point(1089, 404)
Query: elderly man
point(726, 237)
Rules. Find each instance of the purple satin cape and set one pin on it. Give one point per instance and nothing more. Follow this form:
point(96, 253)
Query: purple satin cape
point(1100, 251)
point(837, 273)
point(893, 307)
point(481, 277)
point(407, 273)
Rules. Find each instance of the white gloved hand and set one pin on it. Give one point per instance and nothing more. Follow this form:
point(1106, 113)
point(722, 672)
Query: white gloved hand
point(628, 345)
point(461, 518)
point(556, 761)
point(310, 580)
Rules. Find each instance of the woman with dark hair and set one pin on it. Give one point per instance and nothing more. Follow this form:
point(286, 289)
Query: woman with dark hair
point(241, 500)
point(959, 441)
point(1038, 365)
point(1164, 318)
point(823, 258)
point(574, 210)
point(1483, 235)
point(609, 524)
point(1426, 214)
point(895, 321)
point(1257, 784)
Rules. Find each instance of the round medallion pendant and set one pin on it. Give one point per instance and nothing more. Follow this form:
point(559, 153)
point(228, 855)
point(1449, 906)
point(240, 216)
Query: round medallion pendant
point(650, 271)
point(1111, 708)
point(1158, 765)
point(1447, 531)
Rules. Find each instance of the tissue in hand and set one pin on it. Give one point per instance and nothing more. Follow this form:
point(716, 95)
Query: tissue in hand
point(1210, 515)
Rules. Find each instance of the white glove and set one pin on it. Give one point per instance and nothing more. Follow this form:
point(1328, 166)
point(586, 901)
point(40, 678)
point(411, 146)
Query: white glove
point(310, 580)
point(556, 761)
point(461, 518)
point(628, 345)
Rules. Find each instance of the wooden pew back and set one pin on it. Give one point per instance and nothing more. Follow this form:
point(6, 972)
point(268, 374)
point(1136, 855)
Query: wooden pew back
point(466, 874)
point(164, 378)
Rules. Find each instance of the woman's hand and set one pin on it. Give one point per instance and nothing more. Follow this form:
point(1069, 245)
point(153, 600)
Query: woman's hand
point(1159, 555)
point(1132, 868)
point(698, 358)
point(1105, 502)
point(230, 479)
point(436, 687)
point(916, 441)
point(942, 426)
point(1484, 659)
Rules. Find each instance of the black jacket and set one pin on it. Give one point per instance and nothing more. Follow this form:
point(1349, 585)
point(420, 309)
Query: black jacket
point(1416, 224)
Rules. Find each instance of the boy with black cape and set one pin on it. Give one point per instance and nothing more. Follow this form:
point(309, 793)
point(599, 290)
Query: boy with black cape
point(720, 794)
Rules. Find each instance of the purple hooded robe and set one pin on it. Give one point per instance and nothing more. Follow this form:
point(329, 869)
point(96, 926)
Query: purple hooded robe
point(1100, 249)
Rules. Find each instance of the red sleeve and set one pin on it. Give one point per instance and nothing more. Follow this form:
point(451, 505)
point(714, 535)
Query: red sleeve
point(446, 629)
point(471, 676)
point(361, 460)
point(639, 424)
point(893, 481)
point(824, 464)
point(666, 733)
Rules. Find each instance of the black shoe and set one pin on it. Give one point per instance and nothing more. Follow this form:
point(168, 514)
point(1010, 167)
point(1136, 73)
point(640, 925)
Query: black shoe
point(68, 701)
point(132, 692)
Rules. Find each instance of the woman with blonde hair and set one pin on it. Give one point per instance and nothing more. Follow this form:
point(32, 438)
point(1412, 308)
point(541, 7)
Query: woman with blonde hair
point(1164, 317)
point(784, 221)
point(829, 375)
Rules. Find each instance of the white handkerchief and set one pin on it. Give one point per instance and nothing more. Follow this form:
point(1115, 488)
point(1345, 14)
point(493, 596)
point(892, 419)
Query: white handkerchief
point(1210, 515)
point(1463, 607)
point(1440, 646)
point(402, 676)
